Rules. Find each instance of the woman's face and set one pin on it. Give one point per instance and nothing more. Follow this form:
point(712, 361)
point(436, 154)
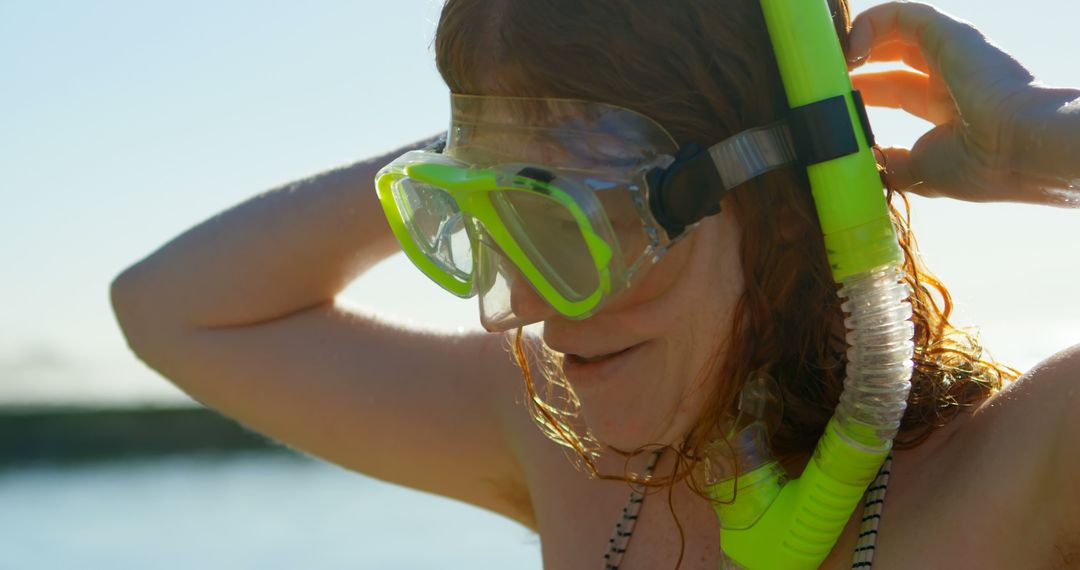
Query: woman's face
point(674, 320)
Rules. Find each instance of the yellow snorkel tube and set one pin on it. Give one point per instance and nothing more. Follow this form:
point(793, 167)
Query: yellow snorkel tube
point(773, 522)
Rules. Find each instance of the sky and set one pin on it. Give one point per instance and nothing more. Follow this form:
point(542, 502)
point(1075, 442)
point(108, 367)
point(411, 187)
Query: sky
point(122, 124)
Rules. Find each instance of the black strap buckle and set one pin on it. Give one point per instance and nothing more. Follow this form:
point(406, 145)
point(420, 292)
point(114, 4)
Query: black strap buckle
point(688, 190)
point(822, 131)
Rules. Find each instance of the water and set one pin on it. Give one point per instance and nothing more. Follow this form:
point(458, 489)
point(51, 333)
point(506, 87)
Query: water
point(254, 510)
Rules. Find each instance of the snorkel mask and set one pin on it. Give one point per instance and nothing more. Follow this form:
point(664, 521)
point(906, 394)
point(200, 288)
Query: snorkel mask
point(568, 202)
point(534, 203)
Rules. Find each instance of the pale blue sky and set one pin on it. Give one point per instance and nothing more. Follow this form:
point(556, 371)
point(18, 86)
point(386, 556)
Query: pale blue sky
point(124, 123)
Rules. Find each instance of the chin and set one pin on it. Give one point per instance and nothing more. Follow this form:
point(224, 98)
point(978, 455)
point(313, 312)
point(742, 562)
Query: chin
point(645, 399)
point(625, 409)
point(651, 422)
point(622, 438)
point(621, 429)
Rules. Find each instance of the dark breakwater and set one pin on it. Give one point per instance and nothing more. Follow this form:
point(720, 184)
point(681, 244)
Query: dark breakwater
point(78, 435)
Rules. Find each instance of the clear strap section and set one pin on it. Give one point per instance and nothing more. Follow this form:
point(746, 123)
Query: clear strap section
point(752, 153)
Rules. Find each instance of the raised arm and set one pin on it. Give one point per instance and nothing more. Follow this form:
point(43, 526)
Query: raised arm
point(240, 313)
point(282, 251)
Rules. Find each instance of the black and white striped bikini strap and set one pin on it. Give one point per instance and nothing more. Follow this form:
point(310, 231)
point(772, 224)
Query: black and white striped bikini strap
point(624, 529)
point(868, 528)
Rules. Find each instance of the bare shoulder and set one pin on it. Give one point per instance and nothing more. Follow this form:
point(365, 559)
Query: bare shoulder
point(1050, 384)
point(1035, 416)
point(1027, 439)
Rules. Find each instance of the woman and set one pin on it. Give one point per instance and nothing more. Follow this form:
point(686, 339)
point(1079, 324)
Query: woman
point(240, 312)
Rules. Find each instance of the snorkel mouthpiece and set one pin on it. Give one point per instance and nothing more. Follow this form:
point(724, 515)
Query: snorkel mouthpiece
point(768, 521)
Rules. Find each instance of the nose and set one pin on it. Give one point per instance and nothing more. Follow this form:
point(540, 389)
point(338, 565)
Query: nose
point(512, 302)
point(507, 299)
point(525, 302)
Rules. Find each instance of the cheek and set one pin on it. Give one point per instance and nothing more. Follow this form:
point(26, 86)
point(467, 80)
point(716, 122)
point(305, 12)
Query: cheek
point(696, 285)
point(698, 308)
point(657, 281)
point(683, 307)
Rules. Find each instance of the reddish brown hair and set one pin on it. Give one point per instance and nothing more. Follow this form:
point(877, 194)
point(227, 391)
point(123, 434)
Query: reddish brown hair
point(705, 70)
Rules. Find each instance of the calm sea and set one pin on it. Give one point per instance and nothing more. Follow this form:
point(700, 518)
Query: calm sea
point(251, 510)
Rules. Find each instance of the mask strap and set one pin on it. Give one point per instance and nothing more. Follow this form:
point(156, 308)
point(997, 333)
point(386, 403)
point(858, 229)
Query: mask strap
point(752, 153)
point(438, 145)
point(693, 186)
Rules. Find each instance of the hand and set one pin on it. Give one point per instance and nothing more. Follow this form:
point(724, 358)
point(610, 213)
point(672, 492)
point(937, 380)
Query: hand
point(983, 103)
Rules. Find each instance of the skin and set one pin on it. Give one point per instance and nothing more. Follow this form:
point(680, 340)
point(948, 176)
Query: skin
point(266, 342)
point(941, 511)
point(675, 313)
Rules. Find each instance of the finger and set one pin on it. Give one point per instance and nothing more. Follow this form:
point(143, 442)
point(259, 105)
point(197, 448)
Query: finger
point(897, 164)
point(895, 21)
point(909, 54)
point(942, 163)
point(905, 90)
point(945, 42)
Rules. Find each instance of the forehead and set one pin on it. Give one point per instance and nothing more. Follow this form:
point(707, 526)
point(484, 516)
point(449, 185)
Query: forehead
point(570, 133)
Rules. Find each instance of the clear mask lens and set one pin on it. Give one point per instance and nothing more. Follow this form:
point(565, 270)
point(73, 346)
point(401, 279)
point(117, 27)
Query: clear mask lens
point(552, 239)
point(436, 224)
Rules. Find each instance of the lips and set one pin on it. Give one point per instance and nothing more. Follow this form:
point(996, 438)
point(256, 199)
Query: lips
point(591, 372)
point(590, 359)
point(585, 350)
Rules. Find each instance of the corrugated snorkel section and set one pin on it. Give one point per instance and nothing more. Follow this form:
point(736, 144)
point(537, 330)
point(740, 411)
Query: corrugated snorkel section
point(772, 522)
point(879, 366)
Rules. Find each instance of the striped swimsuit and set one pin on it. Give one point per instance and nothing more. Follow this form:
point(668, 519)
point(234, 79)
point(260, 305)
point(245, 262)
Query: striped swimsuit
point(863, 558)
